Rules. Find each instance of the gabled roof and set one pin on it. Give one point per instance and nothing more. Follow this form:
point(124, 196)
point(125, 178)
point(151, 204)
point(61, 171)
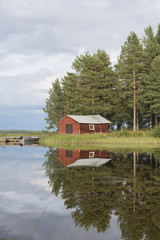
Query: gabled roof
point(90, 162)
point(93, 119)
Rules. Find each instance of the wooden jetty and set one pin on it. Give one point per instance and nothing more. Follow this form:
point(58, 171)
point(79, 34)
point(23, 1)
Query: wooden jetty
point(18, 140)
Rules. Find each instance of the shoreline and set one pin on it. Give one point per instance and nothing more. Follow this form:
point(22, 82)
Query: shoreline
point(142, 139)
point(100, 141)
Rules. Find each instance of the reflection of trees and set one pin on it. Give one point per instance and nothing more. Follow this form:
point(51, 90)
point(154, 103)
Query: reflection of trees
point(54, 170)
point(137, 211)
point(92, 192)
point(91, 197)
point(127, 186)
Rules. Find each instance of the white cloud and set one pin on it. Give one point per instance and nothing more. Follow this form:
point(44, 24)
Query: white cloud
point(40, 39)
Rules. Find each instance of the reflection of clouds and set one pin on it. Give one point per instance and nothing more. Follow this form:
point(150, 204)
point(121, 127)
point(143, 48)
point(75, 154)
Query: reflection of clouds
point(43, 182)
point(14, 202)
point(29, 209)
point(38, 155)
point(46, 225)
point(24, 186)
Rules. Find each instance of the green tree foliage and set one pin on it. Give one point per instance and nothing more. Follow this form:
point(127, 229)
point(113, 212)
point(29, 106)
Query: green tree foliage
point(92, 89)
point(158, 35)
point(55, 105)
point(151, 50)
point(155, 87)
point(129, 70)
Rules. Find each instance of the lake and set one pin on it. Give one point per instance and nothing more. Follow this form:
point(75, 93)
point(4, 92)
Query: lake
point(59, 194)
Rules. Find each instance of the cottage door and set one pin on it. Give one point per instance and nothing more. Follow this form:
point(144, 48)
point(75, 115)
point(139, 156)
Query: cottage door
point(69, 128)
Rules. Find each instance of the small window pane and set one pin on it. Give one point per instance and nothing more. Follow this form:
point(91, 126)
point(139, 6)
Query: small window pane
point(91, 127)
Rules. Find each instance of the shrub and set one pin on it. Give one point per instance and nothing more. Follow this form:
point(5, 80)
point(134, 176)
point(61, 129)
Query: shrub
point(156, 132)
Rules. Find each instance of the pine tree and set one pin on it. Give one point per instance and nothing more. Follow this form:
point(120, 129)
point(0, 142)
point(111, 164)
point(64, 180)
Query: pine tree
point(155, 88)
point(158, 34)
point(151, 50)
point(91, 89)
point(129, 70)
point(55, 105)
point(70, 87)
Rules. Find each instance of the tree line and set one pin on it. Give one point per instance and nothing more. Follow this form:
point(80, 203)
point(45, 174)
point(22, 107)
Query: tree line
point(127, 94)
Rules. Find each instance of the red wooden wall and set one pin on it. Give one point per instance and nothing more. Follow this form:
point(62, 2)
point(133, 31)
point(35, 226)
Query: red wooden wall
point(98, 128)
point(68, 120)
point(81, 128)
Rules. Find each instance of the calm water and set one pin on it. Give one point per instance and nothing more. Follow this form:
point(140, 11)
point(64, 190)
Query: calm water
point(57, 194)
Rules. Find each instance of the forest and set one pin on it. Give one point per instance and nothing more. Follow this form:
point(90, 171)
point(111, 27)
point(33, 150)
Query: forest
point(127, 94)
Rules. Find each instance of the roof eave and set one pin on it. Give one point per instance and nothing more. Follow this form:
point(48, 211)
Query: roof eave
point(65, 117)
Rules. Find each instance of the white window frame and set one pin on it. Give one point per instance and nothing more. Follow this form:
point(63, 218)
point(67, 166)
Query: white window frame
point(91, 126)
point(91, 154)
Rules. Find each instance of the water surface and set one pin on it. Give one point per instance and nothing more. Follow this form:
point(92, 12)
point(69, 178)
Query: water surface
point(62, 194)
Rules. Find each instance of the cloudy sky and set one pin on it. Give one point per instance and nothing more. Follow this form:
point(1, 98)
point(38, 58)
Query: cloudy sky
point(39, 40)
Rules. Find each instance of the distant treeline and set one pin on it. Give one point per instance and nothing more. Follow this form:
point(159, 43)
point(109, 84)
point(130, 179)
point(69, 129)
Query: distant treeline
point(18, 132)
point(127, 94)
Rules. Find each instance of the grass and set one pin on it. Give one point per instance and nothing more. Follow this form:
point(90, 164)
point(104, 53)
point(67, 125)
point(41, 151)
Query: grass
point(118, 139)
point(112, 140)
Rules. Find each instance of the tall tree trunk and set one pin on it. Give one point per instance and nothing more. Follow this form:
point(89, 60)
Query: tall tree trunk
point(134, 168)
point(137, 157)
point(150, 122)
point(93, 181)
point(93, 111)
point(156, 118)
point(137, 120)
point(156, 162)
point(134, 101)
point(151, 158)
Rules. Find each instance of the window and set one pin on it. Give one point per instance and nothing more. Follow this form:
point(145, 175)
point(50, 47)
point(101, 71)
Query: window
point(91, 127)
point(69, 128)
point(91, 154)
point(69, 153)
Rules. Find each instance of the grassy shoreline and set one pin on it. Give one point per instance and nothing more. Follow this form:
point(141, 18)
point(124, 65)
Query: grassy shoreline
point(143, 139)
point(140, 139)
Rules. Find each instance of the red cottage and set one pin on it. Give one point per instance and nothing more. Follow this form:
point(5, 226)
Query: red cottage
point(76, 124)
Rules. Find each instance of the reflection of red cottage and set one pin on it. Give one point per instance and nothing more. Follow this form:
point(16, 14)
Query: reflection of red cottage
point(75, 124)
point(68, 157)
